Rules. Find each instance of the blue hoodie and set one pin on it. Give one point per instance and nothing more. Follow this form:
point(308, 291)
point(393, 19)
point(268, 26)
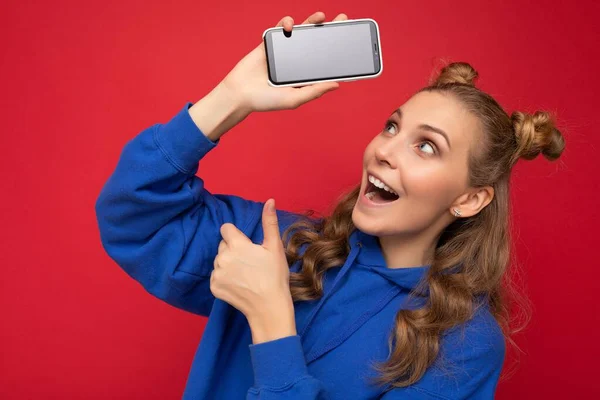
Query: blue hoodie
point(161, 225)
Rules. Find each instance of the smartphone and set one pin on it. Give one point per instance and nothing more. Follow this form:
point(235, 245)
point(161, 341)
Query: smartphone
point(332, 51)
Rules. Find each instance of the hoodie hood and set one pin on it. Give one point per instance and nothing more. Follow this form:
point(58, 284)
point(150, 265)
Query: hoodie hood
point(352, 295)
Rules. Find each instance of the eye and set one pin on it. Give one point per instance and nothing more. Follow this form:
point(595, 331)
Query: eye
point(389, 124)
point(431, 145)
point(390, 127)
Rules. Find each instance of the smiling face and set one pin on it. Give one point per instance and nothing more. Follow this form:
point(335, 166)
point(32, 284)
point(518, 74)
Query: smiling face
point(422, 155)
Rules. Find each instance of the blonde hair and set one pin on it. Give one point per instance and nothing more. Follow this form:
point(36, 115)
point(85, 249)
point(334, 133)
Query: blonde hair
point(479, 244)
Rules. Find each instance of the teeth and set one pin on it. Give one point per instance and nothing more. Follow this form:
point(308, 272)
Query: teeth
point(381, 185)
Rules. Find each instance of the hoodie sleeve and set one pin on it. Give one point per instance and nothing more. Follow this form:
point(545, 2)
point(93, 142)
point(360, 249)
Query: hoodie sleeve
point(159, 223)
point(280, 372)
point(412, 394)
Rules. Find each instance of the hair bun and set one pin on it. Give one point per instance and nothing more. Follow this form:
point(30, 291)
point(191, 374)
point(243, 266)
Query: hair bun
point(536, 133)
point(457, 73)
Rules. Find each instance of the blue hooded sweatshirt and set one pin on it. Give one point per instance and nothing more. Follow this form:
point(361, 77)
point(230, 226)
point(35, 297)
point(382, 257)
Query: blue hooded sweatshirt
point(160, 224)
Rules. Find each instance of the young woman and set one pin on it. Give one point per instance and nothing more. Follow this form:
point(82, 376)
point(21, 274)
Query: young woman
point(398, 294)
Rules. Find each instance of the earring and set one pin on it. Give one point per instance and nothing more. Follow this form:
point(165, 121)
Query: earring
point(456, 212)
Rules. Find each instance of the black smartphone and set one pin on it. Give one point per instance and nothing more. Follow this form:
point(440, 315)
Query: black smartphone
point(331, 51)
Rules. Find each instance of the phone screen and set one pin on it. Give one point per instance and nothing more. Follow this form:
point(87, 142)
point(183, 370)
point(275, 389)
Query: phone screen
point(323, 52)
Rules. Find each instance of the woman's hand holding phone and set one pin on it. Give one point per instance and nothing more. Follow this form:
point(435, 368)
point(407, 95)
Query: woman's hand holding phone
point(249, 81)
point(245, 89)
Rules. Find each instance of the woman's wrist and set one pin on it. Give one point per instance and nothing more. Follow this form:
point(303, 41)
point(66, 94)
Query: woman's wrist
point(273, 325)
point(218, 111)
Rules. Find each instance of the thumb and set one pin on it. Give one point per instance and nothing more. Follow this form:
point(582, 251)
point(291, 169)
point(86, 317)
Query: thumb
point(307, 93)
point(270, 224)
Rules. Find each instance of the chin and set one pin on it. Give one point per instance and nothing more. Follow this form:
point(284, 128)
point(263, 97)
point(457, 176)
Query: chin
point(365, 223)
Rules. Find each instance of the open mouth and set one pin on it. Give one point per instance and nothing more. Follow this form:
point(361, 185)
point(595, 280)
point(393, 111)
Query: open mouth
point(379, 195)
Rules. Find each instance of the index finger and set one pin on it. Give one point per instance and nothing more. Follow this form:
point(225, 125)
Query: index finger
point(230, 233)
point(286, 22)
point(316, 18)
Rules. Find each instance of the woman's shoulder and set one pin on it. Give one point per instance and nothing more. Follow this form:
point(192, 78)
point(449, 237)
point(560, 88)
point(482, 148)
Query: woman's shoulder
point(480, 337)
point(470, 359)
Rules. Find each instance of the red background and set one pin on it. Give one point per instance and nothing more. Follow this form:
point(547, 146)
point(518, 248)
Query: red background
point(79, 79)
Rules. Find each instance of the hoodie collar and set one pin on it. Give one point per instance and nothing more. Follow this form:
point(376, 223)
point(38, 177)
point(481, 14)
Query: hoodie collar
point(371, 256)
point(366, 252)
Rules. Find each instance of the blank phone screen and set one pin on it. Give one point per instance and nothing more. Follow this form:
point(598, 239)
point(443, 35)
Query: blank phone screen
point(324, 52)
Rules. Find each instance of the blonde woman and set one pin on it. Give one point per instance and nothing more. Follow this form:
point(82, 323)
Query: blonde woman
point(396, 295)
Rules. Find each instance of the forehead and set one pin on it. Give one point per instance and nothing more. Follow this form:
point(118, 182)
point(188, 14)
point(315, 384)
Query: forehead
point(443, 111)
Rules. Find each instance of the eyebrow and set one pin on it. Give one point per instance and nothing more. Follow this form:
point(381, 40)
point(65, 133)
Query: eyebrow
point(427, 128)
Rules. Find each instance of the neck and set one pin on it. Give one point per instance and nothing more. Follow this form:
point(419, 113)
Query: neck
point(408, 250)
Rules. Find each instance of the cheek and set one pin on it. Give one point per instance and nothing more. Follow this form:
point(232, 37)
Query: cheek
point(432, 184)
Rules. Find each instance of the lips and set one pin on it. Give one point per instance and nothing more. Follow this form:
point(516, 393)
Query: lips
point(370, 204)
point(365, 201)
point(378, 177)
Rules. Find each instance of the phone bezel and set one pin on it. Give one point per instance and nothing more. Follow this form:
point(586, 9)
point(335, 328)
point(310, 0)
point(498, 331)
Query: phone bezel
point(338, 79)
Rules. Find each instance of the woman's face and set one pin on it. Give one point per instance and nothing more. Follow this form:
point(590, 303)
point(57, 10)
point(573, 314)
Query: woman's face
point(422, 155)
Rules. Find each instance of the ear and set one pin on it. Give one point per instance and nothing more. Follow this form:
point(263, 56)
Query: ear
point(473, 201)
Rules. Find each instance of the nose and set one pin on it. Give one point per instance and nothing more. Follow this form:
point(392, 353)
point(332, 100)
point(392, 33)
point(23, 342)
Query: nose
point(384, 154)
